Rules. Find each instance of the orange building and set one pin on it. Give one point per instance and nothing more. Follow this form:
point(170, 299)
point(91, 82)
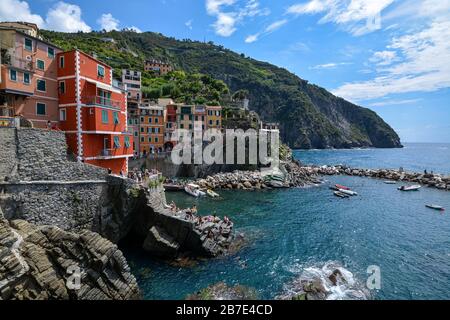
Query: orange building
point(157, 66)
point(151, 129)
point(93, 112)
point(28, 75)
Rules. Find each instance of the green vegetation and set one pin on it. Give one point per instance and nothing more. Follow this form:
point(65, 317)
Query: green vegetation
point(310, 116)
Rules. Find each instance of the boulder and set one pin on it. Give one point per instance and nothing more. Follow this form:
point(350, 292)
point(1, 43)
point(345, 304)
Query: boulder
point(160, 243)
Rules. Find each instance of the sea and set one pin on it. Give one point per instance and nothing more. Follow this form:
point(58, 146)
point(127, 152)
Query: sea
point(291, 232)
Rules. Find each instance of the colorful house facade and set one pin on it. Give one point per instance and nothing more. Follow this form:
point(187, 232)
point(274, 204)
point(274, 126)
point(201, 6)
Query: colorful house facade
point(93, 112)
point(152, 124)
point(28, 75)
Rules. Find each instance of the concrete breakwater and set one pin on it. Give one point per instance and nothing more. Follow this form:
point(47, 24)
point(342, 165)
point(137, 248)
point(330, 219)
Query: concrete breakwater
point(431, 180)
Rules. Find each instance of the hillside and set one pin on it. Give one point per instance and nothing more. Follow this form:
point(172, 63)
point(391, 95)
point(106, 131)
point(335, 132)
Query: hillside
point(310, 116)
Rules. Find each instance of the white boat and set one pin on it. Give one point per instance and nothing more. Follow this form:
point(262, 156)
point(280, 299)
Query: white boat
point(341, 195)
point(193, 190)
point(409, 188)
point(348, 192)
point(390, 182)
point(212, 194)
point(435, 207)
point(275, 184)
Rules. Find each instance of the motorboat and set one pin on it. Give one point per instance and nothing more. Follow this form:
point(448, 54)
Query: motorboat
point(435, 207)
point(348, 192)
point(341, 195)
point(194, 190)
point(173, 187)
point(410, 188)
point(342, 187)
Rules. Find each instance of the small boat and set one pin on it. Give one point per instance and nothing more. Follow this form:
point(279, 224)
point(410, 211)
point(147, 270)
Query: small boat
point(341, 195)
point(276, 184)
point(435, 207)
point(390, 182)
point(409, 188)
point(334, 189)
point(194, 190)
point(212, 194)
point(342, 187)
point(348, 192)
point(173, 187)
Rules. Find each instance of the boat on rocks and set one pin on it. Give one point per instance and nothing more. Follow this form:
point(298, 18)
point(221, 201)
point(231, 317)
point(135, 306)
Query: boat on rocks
point(435, 207)
point(410, 188)
point(194, 190)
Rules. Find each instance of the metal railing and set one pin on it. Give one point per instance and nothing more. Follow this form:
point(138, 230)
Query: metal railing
point(104, 102)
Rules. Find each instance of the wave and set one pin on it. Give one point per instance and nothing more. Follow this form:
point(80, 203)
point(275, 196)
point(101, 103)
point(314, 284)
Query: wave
point(328, 282)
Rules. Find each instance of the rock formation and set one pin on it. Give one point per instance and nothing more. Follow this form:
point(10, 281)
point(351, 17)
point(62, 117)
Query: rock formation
point(45, 262)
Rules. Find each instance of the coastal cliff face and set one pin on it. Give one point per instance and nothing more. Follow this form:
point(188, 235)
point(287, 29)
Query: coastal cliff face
point(310, 116)
point(40, 263)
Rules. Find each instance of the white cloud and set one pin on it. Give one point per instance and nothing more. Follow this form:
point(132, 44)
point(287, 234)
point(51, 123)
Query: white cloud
point(252, 38)
point(356, 16)
point(394, 102)
point(230, 13)
point(66, 18)
point(332, 65)
point(15, 10)
point(268, 30)
point(424, 66)
point(188, 24)
point(108, 22)
point(384, 58)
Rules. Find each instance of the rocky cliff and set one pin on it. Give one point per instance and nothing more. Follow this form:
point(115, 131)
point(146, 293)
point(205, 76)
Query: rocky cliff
point(45, 262)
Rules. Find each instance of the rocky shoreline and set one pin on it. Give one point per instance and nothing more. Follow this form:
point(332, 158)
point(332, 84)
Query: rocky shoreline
point(431, 180)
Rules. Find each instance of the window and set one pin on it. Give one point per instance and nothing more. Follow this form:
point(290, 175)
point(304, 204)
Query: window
point(142, 139)
point(156, 140)
point(105, 116)
point(116, 142)
point(51, 53)
point(196, 118)
point(181, 126)
point(116, 117)
point(190, 127)
point(62, 115)
point(28, 44)
point(150, 139)
point(26, 78)
point(149, 120)
point(100, 71)
point(156, 120)
point(13, 75)
point(142, 129)
point(61, 62)
point(41, 109)
point(41, 85)
point(40, 64)
point(217, 122)
point(210, 122)
point(142, 119)
point(135, 133)
point(127, 141)
point(62, 87)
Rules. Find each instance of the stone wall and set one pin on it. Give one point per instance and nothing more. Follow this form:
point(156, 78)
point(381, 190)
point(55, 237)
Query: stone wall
point(8, 160)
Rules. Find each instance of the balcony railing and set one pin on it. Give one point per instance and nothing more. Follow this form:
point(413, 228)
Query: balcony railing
point(104, 102)
point(17, 63)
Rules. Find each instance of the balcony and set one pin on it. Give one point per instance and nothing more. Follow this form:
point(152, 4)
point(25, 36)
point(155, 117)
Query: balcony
point(103, 102)
point(17, 63)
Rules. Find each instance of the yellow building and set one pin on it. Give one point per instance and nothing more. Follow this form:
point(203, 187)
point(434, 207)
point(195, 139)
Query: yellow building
point(214, 117)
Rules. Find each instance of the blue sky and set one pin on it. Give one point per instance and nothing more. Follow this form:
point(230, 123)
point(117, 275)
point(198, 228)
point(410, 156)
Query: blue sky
point(392, 56)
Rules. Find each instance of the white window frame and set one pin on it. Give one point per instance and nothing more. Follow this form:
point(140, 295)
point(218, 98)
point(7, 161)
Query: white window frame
point(42, 103)
point(10, 78)
point(37, 87)
point(38, 64)
point(29, 78)
point(63, 114)
point(48, 53)
point(104, 71)
point(25, 45)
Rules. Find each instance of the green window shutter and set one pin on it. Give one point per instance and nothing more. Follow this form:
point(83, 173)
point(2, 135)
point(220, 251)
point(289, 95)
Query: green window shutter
point(127, 141)
point(28, 44)
point(100, 71)
point(13, 75)
point(116, 118)
point(40, 109)
point(26, 78)
point(105, 116)
point(116, 142)
point(40, 64)
point(51, 53)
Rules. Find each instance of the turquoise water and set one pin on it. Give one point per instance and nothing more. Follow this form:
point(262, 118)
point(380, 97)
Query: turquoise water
point(290, 230)
point(414, 156)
